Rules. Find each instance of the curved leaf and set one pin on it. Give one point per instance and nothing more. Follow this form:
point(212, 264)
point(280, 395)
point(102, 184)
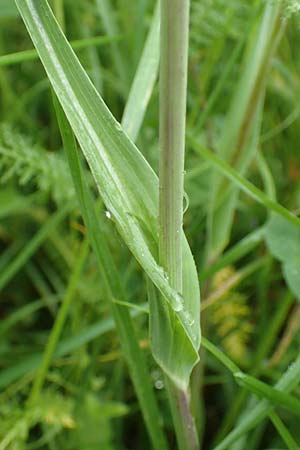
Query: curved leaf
point(127, 184)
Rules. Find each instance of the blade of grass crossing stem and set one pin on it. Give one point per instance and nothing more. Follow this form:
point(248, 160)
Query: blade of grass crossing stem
point(110, 276)
point(276, 396)
point(268, 392)
point(144, 80)
point(32, 55)
point(174, 44)
point(127, 184)
point(241, 129)
point(243, 183)
point(287, 383)
point(59, 323)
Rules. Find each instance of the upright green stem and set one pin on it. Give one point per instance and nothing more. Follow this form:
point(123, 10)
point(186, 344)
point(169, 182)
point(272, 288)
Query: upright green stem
point(173, 81)
point(173, 87)
point(184, 423)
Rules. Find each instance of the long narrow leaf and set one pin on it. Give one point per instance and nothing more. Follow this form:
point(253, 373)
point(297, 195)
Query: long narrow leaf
point(287, 383)
point(268, 392)
point(31, 54)
point(143, 82)
point(126, 183)
point(109, 274)
point(245, 185)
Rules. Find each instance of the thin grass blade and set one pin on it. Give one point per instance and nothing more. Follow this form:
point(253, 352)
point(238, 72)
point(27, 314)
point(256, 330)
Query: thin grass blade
point(245, 185)
point(263, 390)
point(144, 80)
point(287, 383)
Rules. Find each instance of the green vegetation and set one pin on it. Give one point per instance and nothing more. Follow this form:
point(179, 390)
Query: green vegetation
point(123, 124)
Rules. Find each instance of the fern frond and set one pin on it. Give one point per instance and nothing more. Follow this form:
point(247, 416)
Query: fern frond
point(53, 410)
point(30, 164)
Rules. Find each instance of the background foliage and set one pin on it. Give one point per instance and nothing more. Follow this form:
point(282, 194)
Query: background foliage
point(249, 294)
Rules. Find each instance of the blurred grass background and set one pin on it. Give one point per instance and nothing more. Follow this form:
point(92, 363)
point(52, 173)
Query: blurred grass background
point(88, 401)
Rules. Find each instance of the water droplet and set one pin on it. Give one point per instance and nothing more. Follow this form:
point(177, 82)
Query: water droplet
point(178, 303)
point(108, 214)
point(163, 273)
point(188, 319)
point(118, 127)
point(159, 384)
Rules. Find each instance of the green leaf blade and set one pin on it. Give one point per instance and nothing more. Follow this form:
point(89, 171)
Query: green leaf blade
point(270, 393)
point(126, 182)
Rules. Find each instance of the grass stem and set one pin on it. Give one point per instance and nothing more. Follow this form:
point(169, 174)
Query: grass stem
point(173, 82)
point(173, 87)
